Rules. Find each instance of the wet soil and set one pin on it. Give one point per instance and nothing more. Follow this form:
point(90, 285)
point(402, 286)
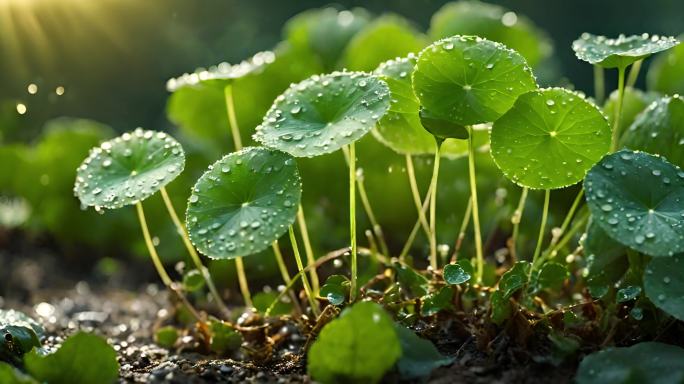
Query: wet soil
point(67, 296)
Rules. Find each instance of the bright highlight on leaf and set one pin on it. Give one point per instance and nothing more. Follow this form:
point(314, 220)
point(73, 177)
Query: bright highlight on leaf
point(469, 80)
point(243, 203)
point(637, 198)
point(324, 113)
point(622, 51)
point(128, 169)
point(549, 139)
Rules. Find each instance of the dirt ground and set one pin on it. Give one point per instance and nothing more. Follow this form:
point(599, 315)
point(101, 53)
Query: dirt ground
point(67, 296)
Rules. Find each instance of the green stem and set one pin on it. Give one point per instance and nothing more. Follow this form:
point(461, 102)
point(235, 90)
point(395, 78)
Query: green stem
point(300, 267)
point(618, 109)
point(352, 221)
point(377, 229)
point(310, 258)
point(415, 193)
point(542, 227)
point(599, 85)
point(570, 214)
point(232, 118)
point(416, 227)
point(461, 232)
point(150, 247)
point(237, 141)
point(183, 233)
point(566, 238)
point(284, 272)
point(433, 208)
point(476, 211)
point(634, 73)
point(517, 217)
point(242, 280)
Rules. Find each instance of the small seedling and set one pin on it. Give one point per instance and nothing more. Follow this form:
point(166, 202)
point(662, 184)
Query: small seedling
point(321, 115)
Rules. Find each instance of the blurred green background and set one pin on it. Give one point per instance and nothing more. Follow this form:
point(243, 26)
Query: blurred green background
point(108, 61)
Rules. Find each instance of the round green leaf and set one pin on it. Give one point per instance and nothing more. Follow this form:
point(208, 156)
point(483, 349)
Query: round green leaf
point(637, 199)
point(514, 279)
point(664, 284)
point(193, 280)
point(620, 52)
point(455, 274)
point(470, 80)
point(128, 169)
point(400, 128)
point(665, 72)
point(494, 23)
point(659, 130)
point(243, 203)
point(550, 276)
point(384, 38)
point(223, 71)
point(323, 113)
point(335, 289)
point(652, 363)
point(359, 346)
point(549, 139)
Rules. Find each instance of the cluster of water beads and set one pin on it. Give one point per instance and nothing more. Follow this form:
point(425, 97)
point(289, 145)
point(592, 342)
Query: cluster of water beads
point(323, 113)
point(636, 222)
point(243, 202)
point(128, 169)
point(594, 49)
point(223, 71)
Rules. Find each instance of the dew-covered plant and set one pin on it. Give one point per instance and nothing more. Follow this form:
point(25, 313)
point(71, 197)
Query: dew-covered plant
point(604, 261)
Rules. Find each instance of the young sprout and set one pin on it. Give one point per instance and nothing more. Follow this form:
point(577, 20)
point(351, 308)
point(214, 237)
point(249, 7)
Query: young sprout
point(127, 170)
point(321, 115)
point(636, 199)
point(244, 203)
point(224, 75)
point(467, 80)
point(619, 53)
point(548, 140)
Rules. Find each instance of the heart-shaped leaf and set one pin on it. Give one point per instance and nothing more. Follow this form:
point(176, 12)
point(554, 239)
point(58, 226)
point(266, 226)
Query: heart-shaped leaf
point(494, 23)
point(659, 130)
point(128, 169)
point(243, 203)
point(224, 71)
point(401, 128)
point(470, 80)
point(335, 289)
point(606, 260)
point(665, 72)
point(549, 139)
point(323, 113)
point(652, 363)
point(514, 279)
point(638, 200)
point(550, 276)
point(620, 52)
point(359, 346)
point(455, 274)
point(664, 284)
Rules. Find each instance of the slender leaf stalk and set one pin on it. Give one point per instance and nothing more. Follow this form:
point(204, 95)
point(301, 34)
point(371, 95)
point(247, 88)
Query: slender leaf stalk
point(462, 231)
point(599, 84)
point(412, 236)
point(517, 217)
point(568, 217)
point(352, 221)
point(634, 73)
point(618, 109)
point(183, 233)
point(542, 228)
point(300, 267)
point(476, 212)
point(433, 208)
point(415, 193)
point(284, 272)
point(308, 249)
